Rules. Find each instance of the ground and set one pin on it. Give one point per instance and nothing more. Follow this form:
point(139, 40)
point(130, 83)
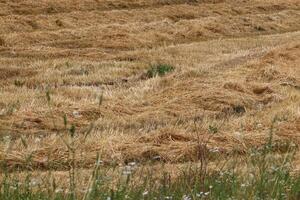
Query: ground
point(236, 74)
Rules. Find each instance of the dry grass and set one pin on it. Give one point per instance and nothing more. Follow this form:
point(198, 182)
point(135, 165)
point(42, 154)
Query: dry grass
point(236, 68)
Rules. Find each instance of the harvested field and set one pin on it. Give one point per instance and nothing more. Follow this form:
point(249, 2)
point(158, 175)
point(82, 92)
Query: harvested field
point(236, 68)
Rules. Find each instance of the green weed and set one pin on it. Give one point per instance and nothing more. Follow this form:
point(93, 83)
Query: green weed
point(159, 70)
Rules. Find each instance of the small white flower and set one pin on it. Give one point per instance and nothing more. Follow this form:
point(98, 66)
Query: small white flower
point(126, 172)
point(33, 183)
point(206, 193)
point(13, 187)
point(132, 164)
point(186, 197)
point(199, 194)
point(210, 187)
point(99, 162)
point(243, 185)
point(145, 193)
point(156, 158)
point(76, 114)
point(58, 190)
point(259, 125)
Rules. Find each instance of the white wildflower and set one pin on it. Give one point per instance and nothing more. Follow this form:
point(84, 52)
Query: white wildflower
point(132, 164)
point(156, 158)
point(99, 162)
point(259, 125)
point(126, 172)
point(76, 114)
point(200, 194)
point(186, 197)
point(13, 187)
point(58, 190)
point(33, 183)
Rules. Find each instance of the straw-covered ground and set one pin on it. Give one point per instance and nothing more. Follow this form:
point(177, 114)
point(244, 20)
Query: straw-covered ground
point(234, 73)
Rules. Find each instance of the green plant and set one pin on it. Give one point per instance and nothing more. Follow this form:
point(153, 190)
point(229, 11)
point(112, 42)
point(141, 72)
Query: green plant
point(71, 130)
point(213, 129)
point(19, 83)
point(159, 70)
